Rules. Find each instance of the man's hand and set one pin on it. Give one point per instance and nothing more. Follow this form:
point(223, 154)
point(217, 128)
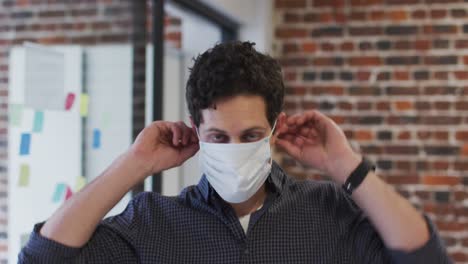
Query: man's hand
point(163, 145)
point(316, 141)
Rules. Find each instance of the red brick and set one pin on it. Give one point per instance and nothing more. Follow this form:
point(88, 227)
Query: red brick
point(404, 105)
point(286, 33)
point(422, 44)
point(418, 14)
point(461, 75)
point(326, 90)
point(377, 15)
point(365, 2)
point(402, 179)
point(309, 47)
point(289, 48)
point(328, 3)
point(347, 46)
point(461, 135)
point(292, 17)
point(401, 75)
point(365, 61)
point(461, 44)
point(290, 3)
point(289, 75)
point(363, 135)
point(461, 105)
point(357, 16)
point(363, 75)
point(438, 13)
point(440, 165)
point(465, 60)
point(327, 46)
point(440, 180)
point(398, 15)
point(404, 135)
point(383, 106)
point(464, 150)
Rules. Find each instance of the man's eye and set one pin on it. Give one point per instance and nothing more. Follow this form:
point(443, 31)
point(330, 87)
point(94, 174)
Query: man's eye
point(218, 138)
point(252, 137)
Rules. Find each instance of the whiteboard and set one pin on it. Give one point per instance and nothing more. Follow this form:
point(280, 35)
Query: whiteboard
point(108, 79)
point(55, 152)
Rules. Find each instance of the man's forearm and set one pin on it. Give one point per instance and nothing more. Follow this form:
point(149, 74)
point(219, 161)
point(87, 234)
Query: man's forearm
point(75, 221)
point(399, 224)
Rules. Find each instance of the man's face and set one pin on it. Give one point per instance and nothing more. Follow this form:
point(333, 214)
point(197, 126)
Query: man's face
point(237, 119)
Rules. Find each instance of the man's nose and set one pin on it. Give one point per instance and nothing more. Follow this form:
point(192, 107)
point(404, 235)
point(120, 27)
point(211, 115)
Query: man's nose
point(235, 140)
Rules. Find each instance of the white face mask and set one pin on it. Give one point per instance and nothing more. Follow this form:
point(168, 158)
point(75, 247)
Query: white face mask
point(236, 170)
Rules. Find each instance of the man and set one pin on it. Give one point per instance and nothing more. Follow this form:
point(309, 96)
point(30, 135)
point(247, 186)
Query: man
point(245, 209)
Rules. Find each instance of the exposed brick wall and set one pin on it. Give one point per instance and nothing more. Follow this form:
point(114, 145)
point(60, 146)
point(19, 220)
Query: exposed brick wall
point(394, 75)
point(59, 22)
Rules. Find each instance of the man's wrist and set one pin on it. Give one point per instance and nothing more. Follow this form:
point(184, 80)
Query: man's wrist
point(342, 168)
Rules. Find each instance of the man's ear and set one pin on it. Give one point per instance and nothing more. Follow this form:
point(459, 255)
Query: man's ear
point(192, 124)
point(280, 123)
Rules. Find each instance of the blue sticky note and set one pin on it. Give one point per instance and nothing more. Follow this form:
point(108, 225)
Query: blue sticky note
point(38, 121)
point(96, 138)
point(25, 144)
point(59, 192)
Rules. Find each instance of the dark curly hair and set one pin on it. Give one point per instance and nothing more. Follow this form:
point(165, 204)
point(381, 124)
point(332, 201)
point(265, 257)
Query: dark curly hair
point(234, 68)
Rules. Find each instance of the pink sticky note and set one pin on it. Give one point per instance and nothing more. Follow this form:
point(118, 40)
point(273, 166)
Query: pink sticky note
point(69, 193)
point(69, 101)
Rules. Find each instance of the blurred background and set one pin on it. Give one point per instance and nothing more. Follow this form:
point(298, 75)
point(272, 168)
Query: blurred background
point(79, 79)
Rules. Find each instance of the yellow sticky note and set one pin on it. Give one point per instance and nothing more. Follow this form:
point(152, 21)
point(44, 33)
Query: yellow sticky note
point(24, 175)
point(80, 183)
point(84, 102)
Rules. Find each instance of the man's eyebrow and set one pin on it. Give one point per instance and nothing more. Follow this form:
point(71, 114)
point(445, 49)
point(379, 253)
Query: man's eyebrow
point(213, 129)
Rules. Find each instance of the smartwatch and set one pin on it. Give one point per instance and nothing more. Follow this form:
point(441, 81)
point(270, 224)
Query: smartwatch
point(358, 175)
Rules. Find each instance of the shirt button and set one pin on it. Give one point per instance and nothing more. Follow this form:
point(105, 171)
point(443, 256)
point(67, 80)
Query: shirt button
point(246, 251)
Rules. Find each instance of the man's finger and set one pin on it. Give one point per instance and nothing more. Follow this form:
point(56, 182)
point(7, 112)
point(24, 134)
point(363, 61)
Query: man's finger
point(290, 148)
point(176, 134)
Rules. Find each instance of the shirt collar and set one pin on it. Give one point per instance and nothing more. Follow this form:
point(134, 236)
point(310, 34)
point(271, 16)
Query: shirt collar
point(274, 183)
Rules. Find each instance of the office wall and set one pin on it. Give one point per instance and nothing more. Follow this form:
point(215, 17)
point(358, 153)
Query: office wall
point(394, 75)
point(78, 22)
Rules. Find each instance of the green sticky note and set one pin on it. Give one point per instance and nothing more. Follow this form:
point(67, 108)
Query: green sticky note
point(15, 114)
point(38, 121)
point(59, 192)
point(23, 240)
point(24, 175)
point(84, 102)
point(80, 183)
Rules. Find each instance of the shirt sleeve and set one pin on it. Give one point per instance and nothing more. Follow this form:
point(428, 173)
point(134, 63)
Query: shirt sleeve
point(111, 242)
point(368, 246)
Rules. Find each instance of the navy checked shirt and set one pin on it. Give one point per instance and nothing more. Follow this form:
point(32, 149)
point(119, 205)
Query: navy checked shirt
point(300, 222)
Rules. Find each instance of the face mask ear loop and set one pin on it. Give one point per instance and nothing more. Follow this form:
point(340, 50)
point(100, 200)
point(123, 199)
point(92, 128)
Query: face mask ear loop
point(271, 134)
point(273, 129)
point(198, 134)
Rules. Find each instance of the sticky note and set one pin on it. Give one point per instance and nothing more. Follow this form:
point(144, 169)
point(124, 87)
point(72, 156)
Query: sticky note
point(15, 114)
point(25, 144)
point(38, 121)
point(24, 176)
point(69, 193)
point(80, 183)
point(60, 190)
point(69, 101)
point(96, 138)
point(84, 102)
point(24, 239)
